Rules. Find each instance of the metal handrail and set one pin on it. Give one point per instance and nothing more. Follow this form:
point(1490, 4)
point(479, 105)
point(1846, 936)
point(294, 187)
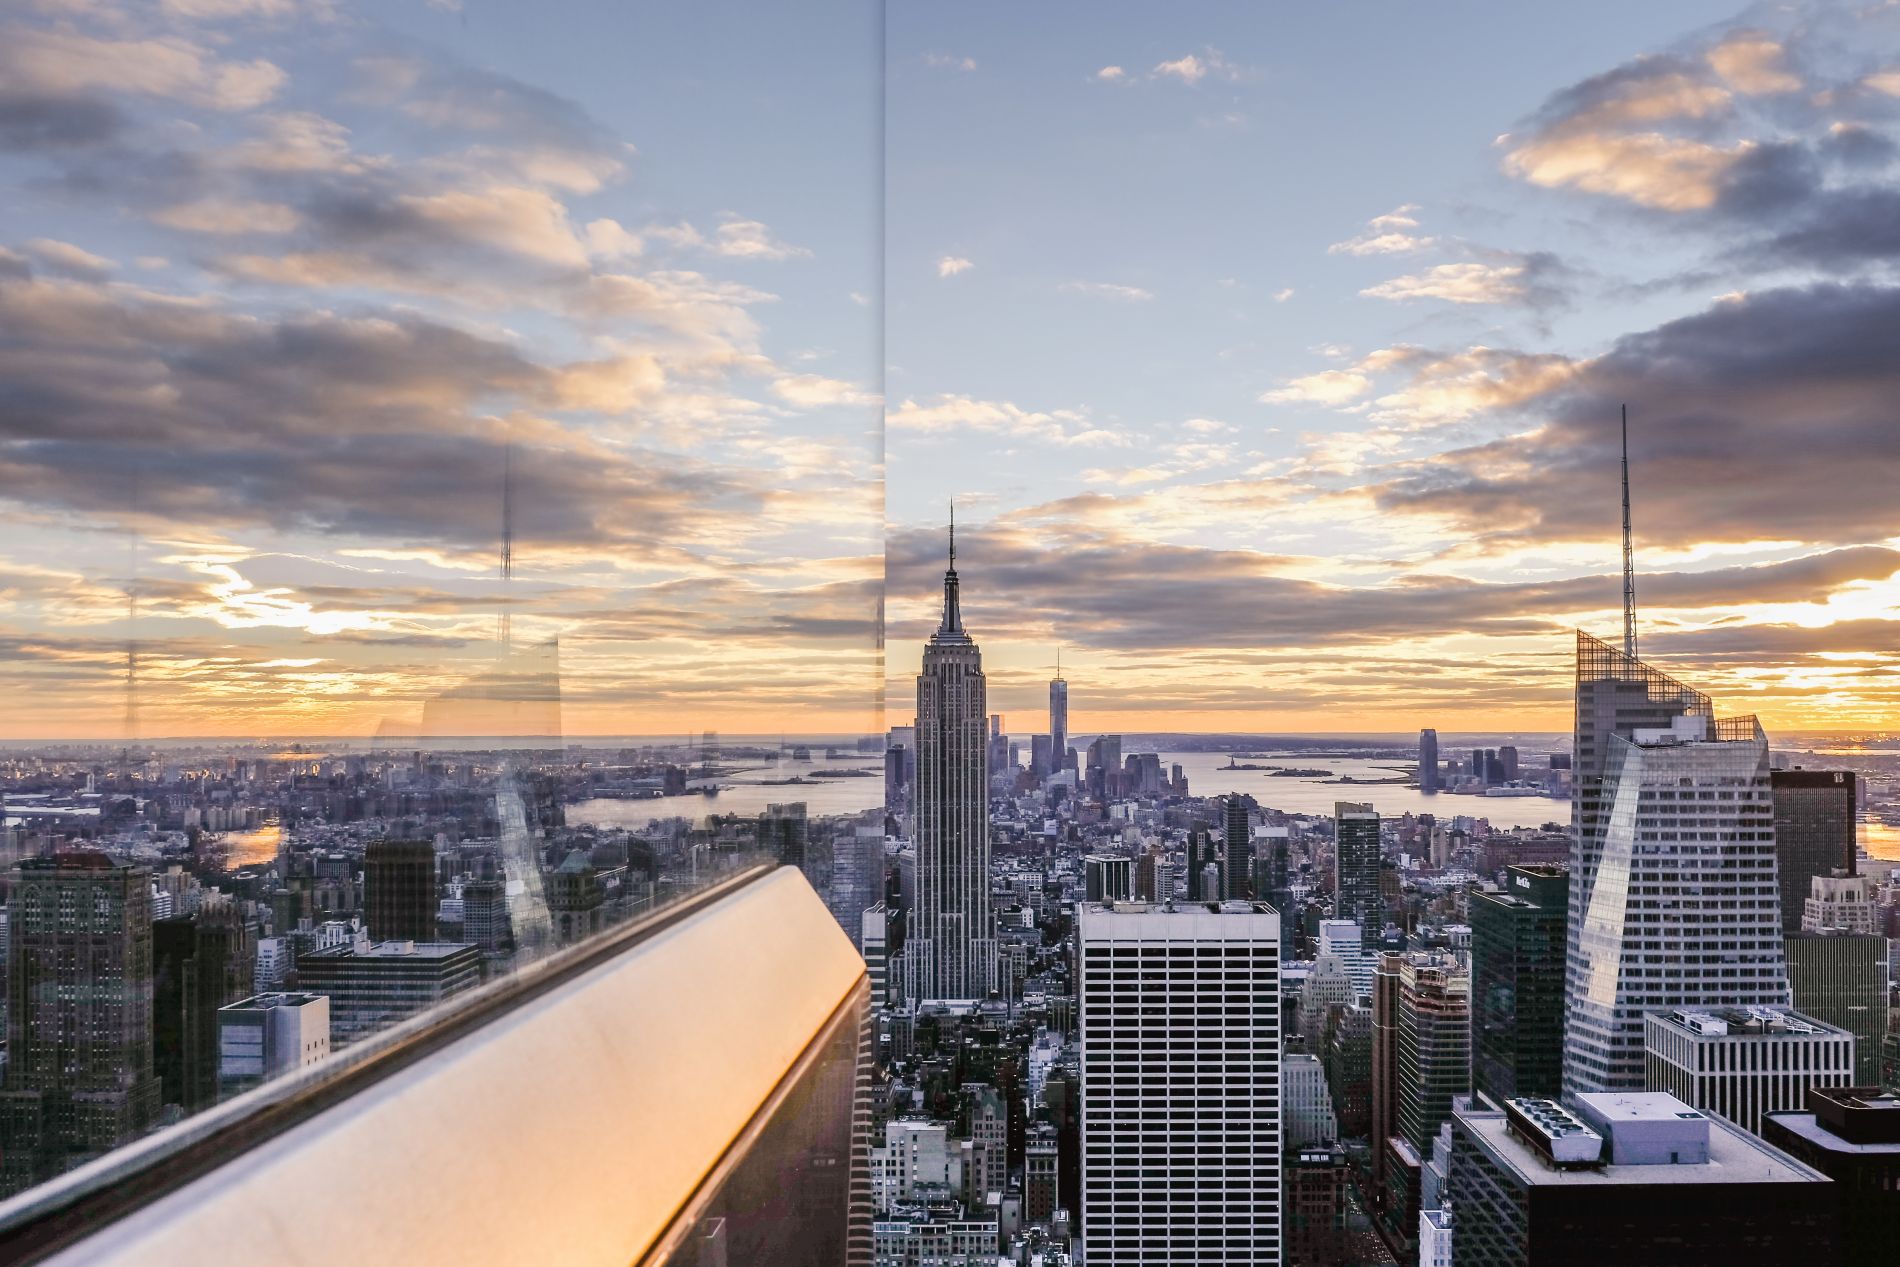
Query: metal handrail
point(56, 1214)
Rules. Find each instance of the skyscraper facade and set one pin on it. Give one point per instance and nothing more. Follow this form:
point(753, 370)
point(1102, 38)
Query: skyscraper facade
point(1434, 1046)
point(399, 890)
point(201, 962)
point(1814, 832)
point(1058, 724)
point(1684, 910)
point(1356, 867)
point(1237, 857)
point(1428, 760)
point(952, 942)
point(1841, 978)
point(1181, 1113)
point(1384, 1107)
point(79, 1079)
point(1517, 985)
point(1615, 693)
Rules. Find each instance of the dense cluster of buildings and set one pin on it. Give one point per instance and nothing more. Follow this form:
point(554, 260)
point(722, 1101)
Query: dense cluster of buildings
point(1225, 1034)
point(1114, 1022)
point(182, 926)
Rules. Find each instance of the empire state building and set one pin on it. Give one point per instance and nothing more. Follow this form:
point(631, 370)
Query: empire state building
point(953, 946)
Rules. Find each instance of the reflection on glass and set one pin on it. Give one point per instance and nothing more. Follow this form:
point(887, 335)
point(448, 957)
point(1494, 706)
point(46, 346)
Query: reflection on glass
point(428, 455)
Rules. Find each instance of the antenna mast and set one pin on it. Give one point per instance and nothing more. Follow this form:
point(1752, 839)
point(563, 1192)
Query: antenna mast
point(1629, 557)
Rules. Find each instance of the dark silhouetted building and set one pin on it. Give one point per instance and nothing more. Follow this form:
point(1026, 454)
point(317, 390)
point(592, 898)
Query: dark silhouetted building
point(1851, 1135)
point(1517, 984)
point(199, 963)
point(1428, 760)
point(1635, 1179)
point(1237, 859)
point(1841, 978)
point(1356, 867)
point(1814, 833)
point(399, 893)
point(79, 1079)
point(373, 985)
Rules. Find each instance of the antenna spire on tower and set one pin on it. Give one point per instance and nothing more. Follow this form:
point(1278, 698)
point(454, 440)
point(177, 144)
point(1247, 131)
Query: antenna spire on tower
point(1629, 557)
point(953, 534)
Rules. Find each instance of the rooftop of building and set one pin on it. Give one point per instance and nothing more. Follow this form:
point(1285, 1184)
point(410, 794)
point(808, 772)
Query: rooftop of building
point(394, 950)
point(1864, 1120)
point(1122, 907)
point(274, 999)
point(1734, 1156)
point(1707, 1024)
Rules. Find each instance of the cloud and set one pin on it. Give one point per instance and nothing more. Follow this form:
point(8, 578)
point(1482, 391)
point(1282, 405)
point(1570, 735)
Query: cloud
point(948, 61)
point(1192, 68)
point(609, 239)
point(227, 217)
point(1603, 136)
point(1328, 387)
point(64, 65)
point(1535, 280)
point(1753, 62)
point(1176, 600)
point(70, 260)
point(1769, 416)
point(1283, 294)
point(951, 265)
point(812, 390)
point(1111, 73)
point(948, 414)
point(749, 239)
point(1109, 290)
point(1389, 234)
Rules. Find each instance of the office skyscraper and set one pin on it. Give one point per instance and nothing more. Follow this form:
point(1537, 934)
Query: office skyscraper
point(1058, 722)
point(1615, 694)
point(1384, 1106)
point(1685, 911)
point(1428, 760)
point(1237, 857)
point(1633, 1179)
point(1517, 985)
point(1814, 832)
point(200, 963)
point(1841, 978)
point(952, 943)
point(399, 892)
point(1356, 867)
point(1181, 1113)
point(1744, 1062)
point(79, 1078)
point(1434, 1043)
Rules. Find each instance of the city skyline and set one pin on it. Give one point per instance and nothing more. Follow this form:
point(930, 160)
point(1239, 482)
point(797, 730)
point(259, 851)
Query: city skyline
point(300, 297)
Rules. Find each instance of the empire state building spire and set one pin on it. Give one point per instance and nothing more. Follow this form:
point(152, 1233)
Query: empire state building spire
point(950, 950)
point(952, 623)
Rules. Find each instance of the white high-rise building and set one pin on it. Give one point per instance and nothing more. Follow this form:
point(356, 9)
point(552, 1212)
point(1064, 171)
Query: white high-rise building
point(1181, 1105)
point(1842, 901)
point(1745, 1062)
point(1345, 940)
point(1683, 909)
point(1307, 1101)
point(952, 944)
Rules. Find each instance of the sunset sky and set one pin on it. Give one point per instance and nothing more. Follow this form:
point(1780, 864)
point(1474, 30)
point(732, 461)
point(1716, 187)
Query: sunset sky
point(1278, 351)
point(1272, 355)
point(283, 281)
